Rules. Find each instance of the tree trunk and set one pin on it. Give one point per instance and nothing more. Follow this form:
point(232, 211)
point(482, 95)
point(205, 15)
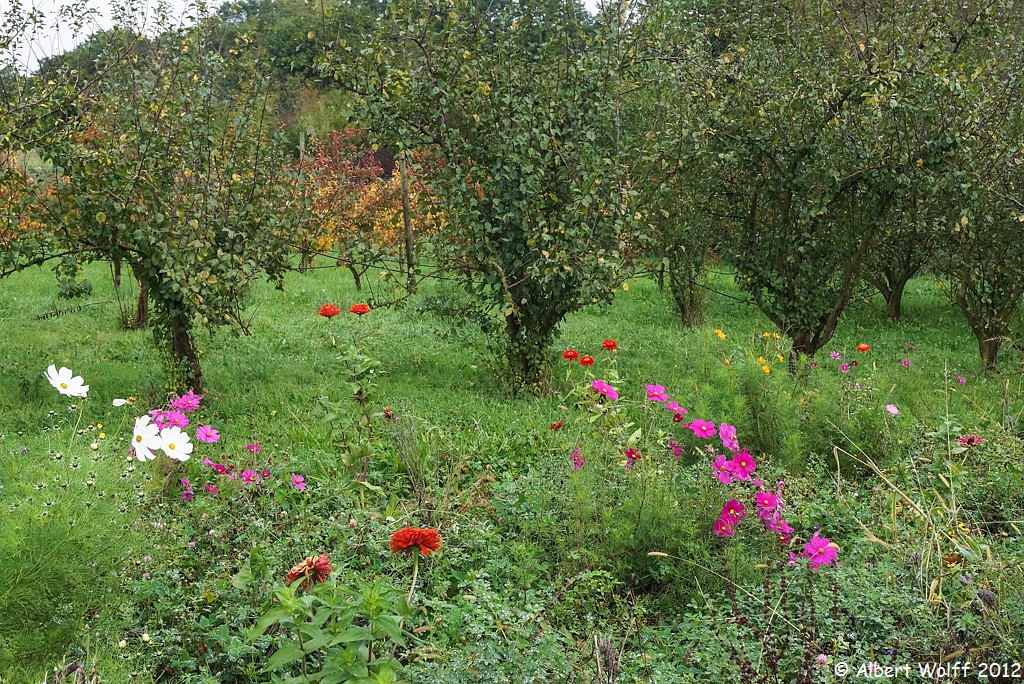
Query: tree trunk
point(988, 347)
point(186, 358)
point(803, 344)
point(357, 277)
point(894, 299)
point(142, 307)
point(689, 300)
point(525, 352)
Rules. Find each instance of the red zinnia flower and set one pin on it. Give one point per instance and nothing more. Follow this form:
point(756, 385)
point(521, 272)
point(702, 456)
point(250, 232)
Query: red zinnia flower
point(314, 570)
point(587, 361)
point(863, 347)
point(359, 309)
point(328, 310)
point(609, 345)
point(570, 355)
point(410, 537)
point(970, 441)
point(557, 425)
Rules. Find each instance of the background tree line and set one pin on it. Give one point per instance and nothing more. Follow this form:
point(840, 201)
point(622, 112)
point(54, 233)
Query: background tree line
point(822, 150)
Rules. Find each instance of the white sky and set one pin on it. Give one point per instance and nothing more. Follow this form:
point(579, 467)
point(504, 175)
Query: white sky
point(55, 35)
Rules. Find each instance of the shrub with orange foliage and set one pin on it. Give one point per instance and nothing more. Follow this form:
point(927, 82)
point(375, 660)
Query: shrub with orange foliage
point(357, 203)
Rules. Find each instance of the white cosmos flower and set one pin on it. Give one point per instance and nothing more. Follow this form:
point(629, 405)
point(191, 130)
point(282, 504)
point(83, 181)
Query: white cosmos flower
point(120, 402)
point(175, 443)
point(66, 382)
point(146, 439)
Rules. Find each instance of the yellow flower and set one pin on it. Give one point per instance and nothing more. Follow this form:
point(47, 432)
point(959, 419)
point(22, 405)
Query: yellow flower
point(766, 335)
point(762, 360)
point(99, 426)
point(728, 361)
point(103, 435)
point(766, 369)
point(721, 335)
point(780, 357)
point(777, 336)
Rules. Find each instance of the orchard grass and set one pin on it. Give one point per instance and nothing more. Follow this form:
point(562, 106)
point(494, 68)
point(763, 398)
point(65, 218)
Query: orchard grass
point(503, 499)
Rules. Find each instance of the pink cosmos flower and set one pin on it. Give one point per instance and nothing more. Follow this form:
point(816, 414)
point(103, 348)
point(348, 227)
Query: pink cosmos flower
point(845, 367)
point(743, 465)
point(723, 469)
point(207, 434)
point(727, 433)
point(188, 402)
point(210, 488)
point(836, 355)
point(576, 458)
point(675, 408)
point(632, 456)
point(735, 509)
point(702, 428)
point(725, 526)
point(265, 473)
point(961, 380)
point(891, 408)
point(656, 393)
point(221, 468)
point(820, 550)
point(677, 450)
point(905, 362)
point(766, 500)
point(185, 482)
point(249, 476)
point(603, 388)
point(158, 418)
point(299, 482)
point(254, 448)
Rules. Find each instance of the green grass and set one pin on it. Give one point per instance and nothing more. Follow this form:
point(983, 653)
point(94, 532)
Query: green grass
point(508, 500)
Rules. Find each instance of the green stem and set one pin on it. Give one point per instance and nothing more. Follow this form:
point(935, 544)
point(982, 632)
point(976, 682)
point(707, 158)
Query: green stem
point(415, 569)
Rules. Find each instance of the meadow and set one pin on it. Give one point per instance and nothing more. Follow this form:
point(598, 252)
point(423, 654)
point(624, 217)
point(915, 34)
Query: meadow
point(577, 532)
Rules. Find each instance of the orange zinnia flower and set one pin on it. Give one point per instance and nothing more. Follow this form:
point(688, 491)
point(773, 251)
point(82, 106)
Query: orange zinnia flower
point(328, 310)
point(408, 538)
point(359, 309)
point(314, 569)
point(863, 347)
point(587, 361)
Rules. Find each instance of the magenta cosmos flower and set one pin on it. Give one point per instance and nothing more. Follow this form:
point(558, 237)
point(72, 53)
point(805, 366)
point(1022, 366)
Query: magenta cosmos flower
point(299, 482)
point(766, 500)
point(743, 466)
point(735, 509)
point(249, 476)
point(727, 433)
point(656, 393)
point(675, 408)
point(576, 458)
point(702, 428)
point(603, 388)
point(723, 469)
point(905, 362)
point(725, 526)
point(207, 434)
point(845, 367)
point(632, 456)
point(835, 355)
point(820, 550)
point(254, 448)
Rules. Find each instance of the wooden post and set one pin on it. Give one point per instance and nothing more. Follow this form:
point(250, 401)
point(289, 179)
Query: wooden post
point(407, 220)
